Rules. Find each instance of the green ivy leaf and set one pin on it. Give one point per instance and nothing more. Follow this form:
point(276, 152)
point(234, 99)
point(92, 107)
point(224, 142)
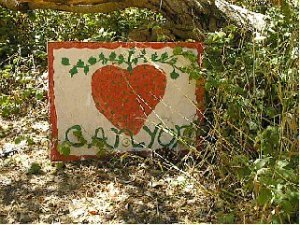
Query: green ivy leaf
point(243, 172)
point(226, 218)
point(264, 197)
point(195, 75)
point(287, 206)
point(154, 57)
point(131, 51)
point(191, 56)
point(135, 61)
point(39, 95)
point(121, 59)
point(177, 50)
point(112, 56)
point(80, 64)
point(18, 140)
point(29, 141)
point(260, 163)
point(101, 56)
point(174, 75)
point(269, 139)
point(280, 164)
point(143, 52)
point(164, 56)
point(35, 168)
point(104, 61)
point(86, 69)
point(73, 71)
point(92, 60)
point(65, 61)
point(64, 148)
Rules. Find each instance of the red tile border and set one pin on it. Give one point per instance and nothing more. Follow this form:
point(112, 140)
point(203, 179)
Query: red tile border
point(54, 154)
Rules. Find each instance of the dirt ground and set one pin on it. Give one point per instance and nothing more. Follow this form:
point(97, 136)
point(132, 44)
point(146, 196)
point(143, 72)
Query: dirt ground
point(130, 189)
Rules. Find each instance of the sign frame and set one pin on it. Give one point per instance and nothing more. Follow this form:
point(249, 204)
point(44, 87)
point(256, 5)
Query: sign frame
point(54, 154)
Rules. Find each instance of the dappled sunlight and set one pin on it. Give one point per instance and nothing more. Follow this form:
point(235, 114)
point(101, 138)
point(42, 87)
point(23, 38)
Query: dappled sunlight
point(100, 192)
point(243, 169)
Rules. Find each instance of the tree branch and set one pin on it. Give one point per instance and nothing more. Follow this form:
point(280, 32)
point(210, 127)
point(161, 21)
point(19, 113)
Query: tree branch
point(78, 6)
point(203, 15)
point(241, 16)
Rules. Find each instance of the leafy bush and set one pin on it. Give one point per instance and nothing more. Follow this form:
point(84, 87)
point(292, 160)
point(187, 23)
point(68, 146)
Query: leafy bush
point(23, 46)
point(252, 90)
point(251, 85)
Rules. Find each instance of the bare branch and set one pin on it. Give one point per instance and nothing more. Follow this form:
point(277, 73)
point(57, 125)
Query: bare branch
point(201, 15)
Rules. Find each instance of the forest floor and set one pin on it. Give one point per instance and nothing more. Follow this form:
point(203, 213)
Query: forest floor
point(130, 189)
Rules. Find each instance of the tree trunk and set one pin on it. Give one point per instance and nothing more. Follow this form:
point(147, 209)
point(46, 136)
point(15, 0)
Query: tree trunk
point(187, 19)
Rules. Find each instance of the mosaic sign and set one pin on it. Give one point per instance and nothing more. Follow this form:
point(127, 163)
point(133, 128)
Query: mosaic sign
point(122, 96)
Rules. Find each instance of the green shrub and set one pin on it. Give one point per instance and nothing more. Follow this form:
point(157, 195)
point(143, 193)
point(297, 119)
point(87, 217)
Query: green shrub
point(252, 91)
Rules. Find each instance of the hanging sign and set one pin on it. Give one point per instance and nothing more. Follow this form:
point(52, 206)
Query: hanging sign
point(123, 97)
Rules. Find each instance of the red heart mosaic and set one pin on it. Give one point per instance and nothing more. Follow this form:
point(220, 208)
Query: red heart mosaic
point(127, 98)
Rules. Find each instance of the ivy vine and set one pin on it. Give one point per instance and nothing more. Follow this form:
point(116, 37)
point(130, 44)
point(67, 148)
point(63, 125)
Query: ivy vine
point(193, 69)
